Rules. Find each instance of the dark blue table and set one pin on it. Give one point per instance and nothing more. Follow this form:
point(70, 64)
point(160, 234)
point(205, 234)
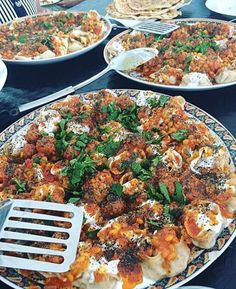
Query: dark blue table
point(26, 83)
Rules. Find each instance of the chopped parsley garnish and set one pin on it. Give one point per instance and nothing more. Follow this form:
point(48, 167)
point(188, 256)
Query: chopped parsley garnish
point(164, 191)
point(157, 225)
point(109, 147)
point(22, 39)
point(92, 234)
point(62, 136)
point(156, 160)
point(140, 172)
point(179, 195)
point(127, 117)
point(20, 187)
point(49, 198)
point(76, 197)
point(159, 37)
point(156, 102)
point(78, 169)
point(117, 190)
point(154, 194)
point(47, 25)
point(36, 160)
point(180, 135)
point(81, 141)
point(47, 42)
point(163, 49)
point(188, 60)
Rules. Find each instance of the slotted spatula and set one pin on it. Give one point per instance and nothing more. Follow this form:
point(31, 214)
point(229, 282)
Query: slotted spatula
point(14, 227)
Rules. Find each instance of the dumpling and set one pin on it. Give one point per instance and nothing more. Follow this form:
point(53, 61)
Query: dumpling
point(195, 79)
point(171, 256)
point(226, 76)
point(99, 276)
point(152, 268)
point(204, 223)
point(211, 160)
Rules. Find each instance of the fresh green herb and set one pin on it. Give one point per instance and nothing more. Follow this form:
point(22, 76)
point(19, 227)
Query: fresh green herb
point(36, 160)
point(73, 200)
point(158, 225)
point(124, 165)
point(109, 147)
point(76, 197)
point(164, 190)
point(81, 141)
point(179, 194)
point(159, 37)
point(163, 48)
point(188, 60)
point(180, 135)
point(62, 136)
point(156, 160)
point(202, 47)
point(49, 197)
point(92, 234)
point(129, 118)
point(47, 42)
point(20, 187)
point(22, 39)
point(78, 168)
point(140, 172)
point(117, 190)
point(47, 25)
point(43, 133)
point(163, 100)
point(69, 15)
point(167, 211)
point(153, 194)
point(153, 102)
point(105, 130)
point(112, 111)
point(150, 138)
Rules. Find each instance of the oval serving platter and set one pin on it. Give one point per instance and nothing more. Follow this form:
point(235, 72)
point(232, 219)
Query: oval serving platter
point(201, 260)
point(115, 42)
point(105, 34)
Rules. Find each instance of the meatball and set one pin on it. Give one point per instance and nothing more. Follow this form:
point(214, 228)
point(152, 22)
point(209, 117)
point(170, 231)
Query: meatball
point(46, 146)
point(113, 206)
point(97, 188)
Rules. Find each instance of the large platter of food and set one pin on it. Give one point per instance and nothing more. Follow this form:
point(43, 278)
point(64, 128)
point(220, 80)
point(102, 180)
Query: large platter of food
point(156, 184)
point(49, 38)
point(200, 54)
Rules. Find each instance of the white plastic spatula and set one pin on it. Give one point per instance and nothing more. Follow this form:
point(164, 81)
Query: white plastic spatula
point(19, 232)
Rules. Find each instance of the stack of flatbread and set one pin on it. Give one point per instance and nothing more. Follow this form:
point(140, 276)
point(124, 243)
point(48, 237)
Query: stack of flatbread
point(145, 9)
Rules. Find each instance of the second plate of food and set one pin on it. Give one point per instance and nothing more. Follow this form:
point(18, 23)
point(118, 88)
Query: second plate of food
point(198, 55)
point(49, 38)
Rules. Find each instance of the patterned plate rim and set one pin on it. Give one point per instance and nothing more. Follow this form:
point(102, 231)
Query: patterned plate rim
point(196, 266)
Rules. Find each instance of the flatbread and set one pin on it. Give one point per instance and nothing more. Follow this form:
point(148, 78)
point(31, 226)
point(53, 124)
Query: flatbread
point(151, 4)
point(160, 14)
point(123, 7)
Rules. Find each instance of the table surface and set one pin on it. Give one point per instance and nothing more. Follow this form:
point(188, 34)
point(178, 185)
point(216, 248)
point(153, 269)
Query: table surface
point(26, 83)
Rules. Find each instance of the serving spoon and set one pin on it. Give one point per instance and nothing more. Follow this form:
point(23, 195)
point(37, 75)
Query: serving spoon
point(126, 60)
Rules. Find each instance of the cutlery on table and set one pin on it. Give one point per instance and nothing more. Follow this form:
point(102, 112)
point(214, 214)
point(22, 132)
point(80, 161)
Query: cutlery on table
point(126, 60)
